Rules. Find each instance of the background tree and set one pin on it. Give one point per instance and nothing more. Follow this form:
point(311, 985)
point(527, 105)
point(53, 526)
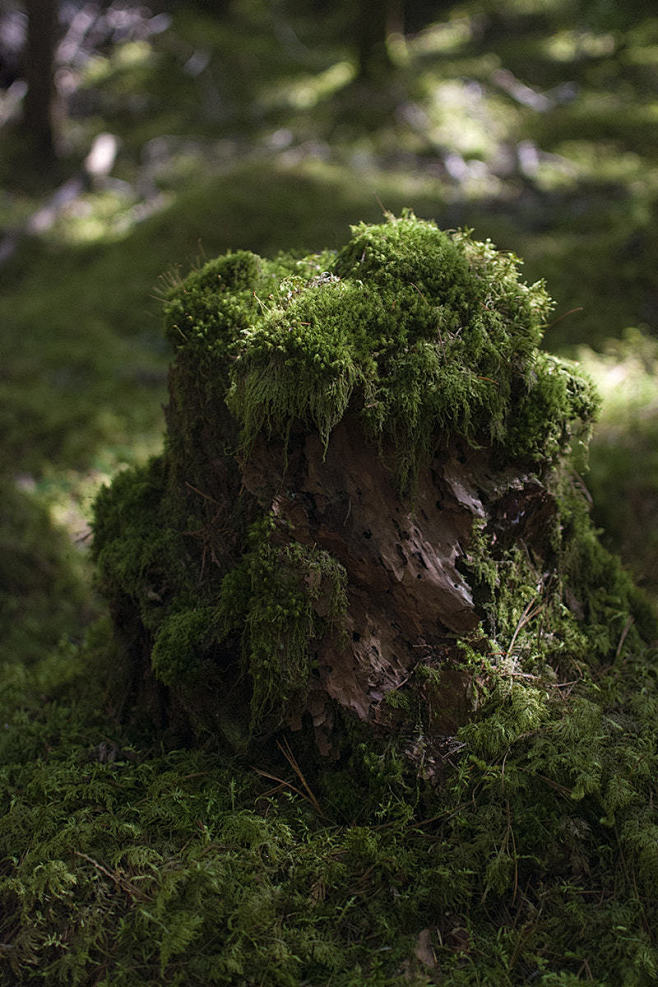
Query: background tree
point(38, 114)
point(373, 22)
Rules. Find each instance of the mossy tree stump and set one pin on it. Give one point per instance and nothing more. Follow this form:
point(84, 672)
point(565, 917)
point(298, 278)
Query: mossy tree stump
point(364, 512)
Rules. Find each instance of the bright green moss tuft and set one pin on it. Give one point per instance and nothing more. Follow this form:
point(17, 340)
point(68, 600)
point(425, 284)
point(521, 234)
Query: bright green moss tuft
point(219, 295)
point(426, 335)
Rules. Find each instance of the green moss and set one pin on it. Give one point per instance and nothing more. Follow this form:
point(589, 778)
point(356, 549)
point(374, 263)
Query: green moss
point(139, 554)
point(533, 861)
point(425, 334)
point(426, 337)
point(275, 601)
point(281, 598)
point(218, 296)
point(180, 644)
point(149, 867)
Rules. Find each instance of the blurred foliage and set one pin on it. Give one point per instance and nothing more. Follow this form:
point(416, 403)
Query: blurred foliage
point(624, 455)
point(42, 592)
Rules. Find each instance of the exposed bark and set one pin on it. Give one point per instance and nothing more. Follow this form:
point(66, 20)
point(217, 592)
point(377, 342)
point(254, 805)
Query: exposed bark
point(409, 598)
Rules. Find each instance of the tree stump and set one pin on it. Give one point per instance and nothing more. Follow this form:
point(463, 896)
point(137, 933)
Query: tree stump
point(365, 505)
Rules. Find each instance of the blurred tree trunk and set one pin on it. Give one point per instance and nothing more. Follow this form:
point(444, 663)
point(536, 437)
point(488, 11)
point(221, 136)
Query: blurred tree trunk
point(375, 20)
point(38, 115)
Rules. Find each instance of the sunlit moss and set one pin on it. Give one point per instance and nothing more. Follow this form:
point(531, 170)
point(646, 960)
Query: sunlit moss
point(428, 333)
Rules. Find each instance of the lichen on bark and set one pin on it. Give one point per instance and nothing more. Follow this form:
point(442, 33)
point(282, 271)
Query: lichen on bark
point(365, 507)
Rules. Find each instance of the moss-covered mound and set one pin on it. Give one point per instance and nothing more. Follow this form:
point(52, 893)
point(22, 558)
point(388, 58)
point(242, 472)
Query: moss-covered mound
point(362, 460)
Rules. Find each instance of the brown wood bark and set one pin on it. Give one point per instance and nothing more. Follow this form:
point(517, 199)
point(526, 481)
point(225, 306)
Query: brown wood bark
point(410, 599)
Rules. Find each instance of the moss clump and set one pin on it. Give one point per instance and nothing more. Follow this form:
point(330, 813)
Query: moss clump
point(268, 608)
point(279, 599)
point(270, 601)
point(428, 334)
point(423, 339)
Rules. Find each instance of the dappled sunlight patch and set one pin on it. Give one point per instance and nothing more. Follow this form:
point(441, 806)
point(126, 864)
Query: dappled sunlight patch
point(44, 593)
point(612, 115)
point(443, 38)
point(626, 375)
point(466, 120)
point(305, 92)
point(123, 68)
point(625, 496)
point(69, 494)
point(598, 162)
point(576, 43)
point(642, 54)
point(95, 217)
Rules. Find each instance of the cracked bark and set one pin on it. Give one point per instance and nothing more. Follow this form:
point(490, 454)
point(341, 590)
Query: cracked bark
point(408, 598)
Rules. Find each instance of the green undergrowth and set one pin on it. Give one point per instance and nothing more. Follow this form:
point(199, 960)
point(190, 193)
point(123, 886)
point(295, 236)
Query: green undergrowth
point(125, 859)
